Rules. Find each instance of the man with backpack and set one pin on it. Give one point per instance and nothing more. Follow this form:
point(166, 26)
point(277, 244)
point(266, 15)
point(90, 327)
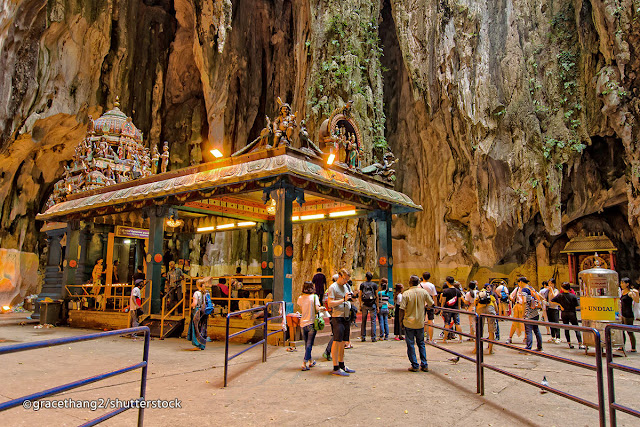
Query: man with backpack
point(532, 303)
point(502, 294)
point(451, 298)
point(368, 301)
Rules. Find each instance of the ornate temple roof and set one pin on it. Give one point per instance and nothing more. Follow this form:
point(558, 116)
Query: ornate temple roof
point(115, 122)
point(252, 172)
point(589, 244)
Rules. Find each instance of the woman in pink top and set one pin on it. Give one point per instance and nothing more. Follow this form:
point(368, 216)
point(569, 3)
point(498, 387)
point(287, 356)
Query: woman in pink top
point(309, 307)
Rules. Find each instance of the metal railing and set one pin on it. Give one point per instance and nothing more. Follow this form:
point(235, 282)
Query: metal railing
point(447, 330)
point(481, 365)
point(599, 406)
point(164, 316)
point(69, 386)
point(100, 301)
point(611, 366)
point(265, 335)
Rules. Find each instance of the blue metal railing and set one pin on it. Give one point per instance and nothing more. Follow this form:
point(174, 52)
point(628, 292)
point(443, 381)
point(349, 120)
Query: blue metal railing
point(265, 335)
point(613, 406)
point(69, 386)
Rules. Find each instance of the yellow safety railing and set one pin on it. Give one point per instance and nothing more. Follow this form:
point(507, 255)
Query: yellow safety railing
point(119, 299)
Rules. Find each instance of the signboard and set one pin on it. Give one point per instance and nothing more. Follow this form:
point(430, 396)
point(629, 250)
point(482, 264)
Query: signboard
point(599, 308)
point(131, 232)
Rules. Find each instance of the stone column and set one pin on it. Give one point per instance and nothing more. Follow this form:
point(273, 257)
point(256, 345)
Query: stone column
point(52, 286)
point(154, 256)
point(384, 245)
point(83, 241)
point(283, 247)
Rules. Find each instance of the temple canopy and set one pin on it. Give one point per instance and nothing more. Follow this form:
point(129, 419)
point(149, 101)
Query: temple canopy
point(242, 181)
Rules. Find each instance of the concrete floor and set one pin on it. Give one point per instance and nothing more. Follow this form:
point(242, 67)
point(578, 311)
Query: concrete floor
point(381, 392)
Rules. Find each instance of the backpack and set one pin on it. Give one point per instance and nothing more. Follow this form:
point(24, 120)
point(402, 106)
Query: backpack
point(208, 304)
point(504, 296)
point(484, 297)
point(368, 294)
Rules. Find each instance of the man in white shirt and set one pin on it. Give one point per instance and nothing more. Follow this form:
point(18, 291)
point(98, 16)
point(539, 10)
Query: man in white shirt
point(339, 301)
point(433, 292)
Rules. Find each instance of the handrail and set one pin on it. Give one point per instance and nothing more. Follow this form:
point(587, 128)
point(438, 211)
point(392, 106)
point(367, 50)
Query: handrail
point(480, 364)
point(122, 299)
point(613, 406)
point(475, 360)
point(600, 406)
point(69, 386)
point(265, 334)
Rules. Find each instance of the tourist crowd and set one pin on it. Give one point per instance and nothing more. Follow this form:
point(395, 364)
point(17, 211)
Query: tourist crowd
point(421, 303)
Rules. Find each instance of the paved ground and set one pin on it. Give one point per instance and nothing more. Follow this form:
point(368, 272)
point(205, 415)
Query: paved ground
point(382, 392)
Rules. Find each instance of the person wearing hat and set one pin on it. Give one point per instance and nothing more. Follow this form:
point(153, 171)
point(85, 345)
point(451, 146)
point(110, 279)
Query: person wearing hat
point(532, 303)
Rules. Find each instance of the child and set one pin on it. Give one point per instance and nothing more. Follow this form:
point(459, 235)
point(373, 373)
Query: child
point(383, 314)
point(397, 323)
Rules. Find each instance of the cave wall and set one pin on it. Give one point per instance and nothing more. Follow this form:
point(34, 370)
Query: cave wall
point(515, 122)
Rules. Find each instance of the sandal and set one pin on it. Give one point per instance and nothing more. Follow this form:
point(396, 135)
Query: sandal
point(312, 364)
point(348, 346)
point(304, 368)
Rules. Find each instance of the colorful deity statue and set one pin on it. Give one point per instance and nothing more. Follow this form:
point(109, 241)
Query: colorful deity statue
point(165, 157)
point(103, 148)
point(352, 153)
point(284, 125)
point(155, 158)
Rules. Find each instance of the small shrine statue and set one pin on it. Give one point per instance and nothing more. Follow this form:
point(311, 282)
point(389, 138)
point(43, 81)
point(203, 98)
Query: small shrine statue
point(352, 153)
point(306, 144)
point(103, 148)
point(90, 127)
point(110, 176)
point(284, 125)
point(165, 157)
point(383, 169)
point(155, 158)
point(121, 151)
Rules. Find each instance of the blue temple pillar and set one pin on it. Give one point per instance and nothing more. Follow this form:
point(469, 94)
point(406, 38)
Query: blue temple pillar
point(283, 246)
point(154, 256)
point(72, 256)
point(384, 245)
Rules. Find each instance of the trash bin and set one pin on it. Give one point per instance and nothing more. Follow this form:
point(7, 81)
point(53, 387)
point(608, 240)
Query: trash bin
point(50, 312)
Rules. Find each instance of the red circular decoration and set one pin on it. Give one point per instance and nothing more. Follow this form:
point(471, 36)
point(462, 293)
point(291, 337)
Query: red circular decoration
point(383, 261)
point(73, 263)
point(289, 251)
point(264, 264)
point(157, 258)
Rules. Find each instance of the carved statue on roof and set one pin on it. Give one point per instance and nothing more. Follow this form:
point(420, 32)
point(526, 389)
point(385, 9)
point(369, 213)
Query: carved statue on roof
point(383, 169)
point(155, 158)
point(165, 157)
point(284, 125)
point(110, 150)
point(281, 132)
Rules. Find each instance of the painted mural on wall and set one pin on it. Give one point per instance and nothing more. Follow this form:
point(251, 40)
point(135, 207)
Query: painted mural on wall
point(18, 276)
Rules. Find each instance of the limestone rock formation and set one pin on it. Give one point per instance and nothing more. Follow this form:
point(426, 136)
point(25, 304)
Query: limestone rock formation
point(516, 122)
